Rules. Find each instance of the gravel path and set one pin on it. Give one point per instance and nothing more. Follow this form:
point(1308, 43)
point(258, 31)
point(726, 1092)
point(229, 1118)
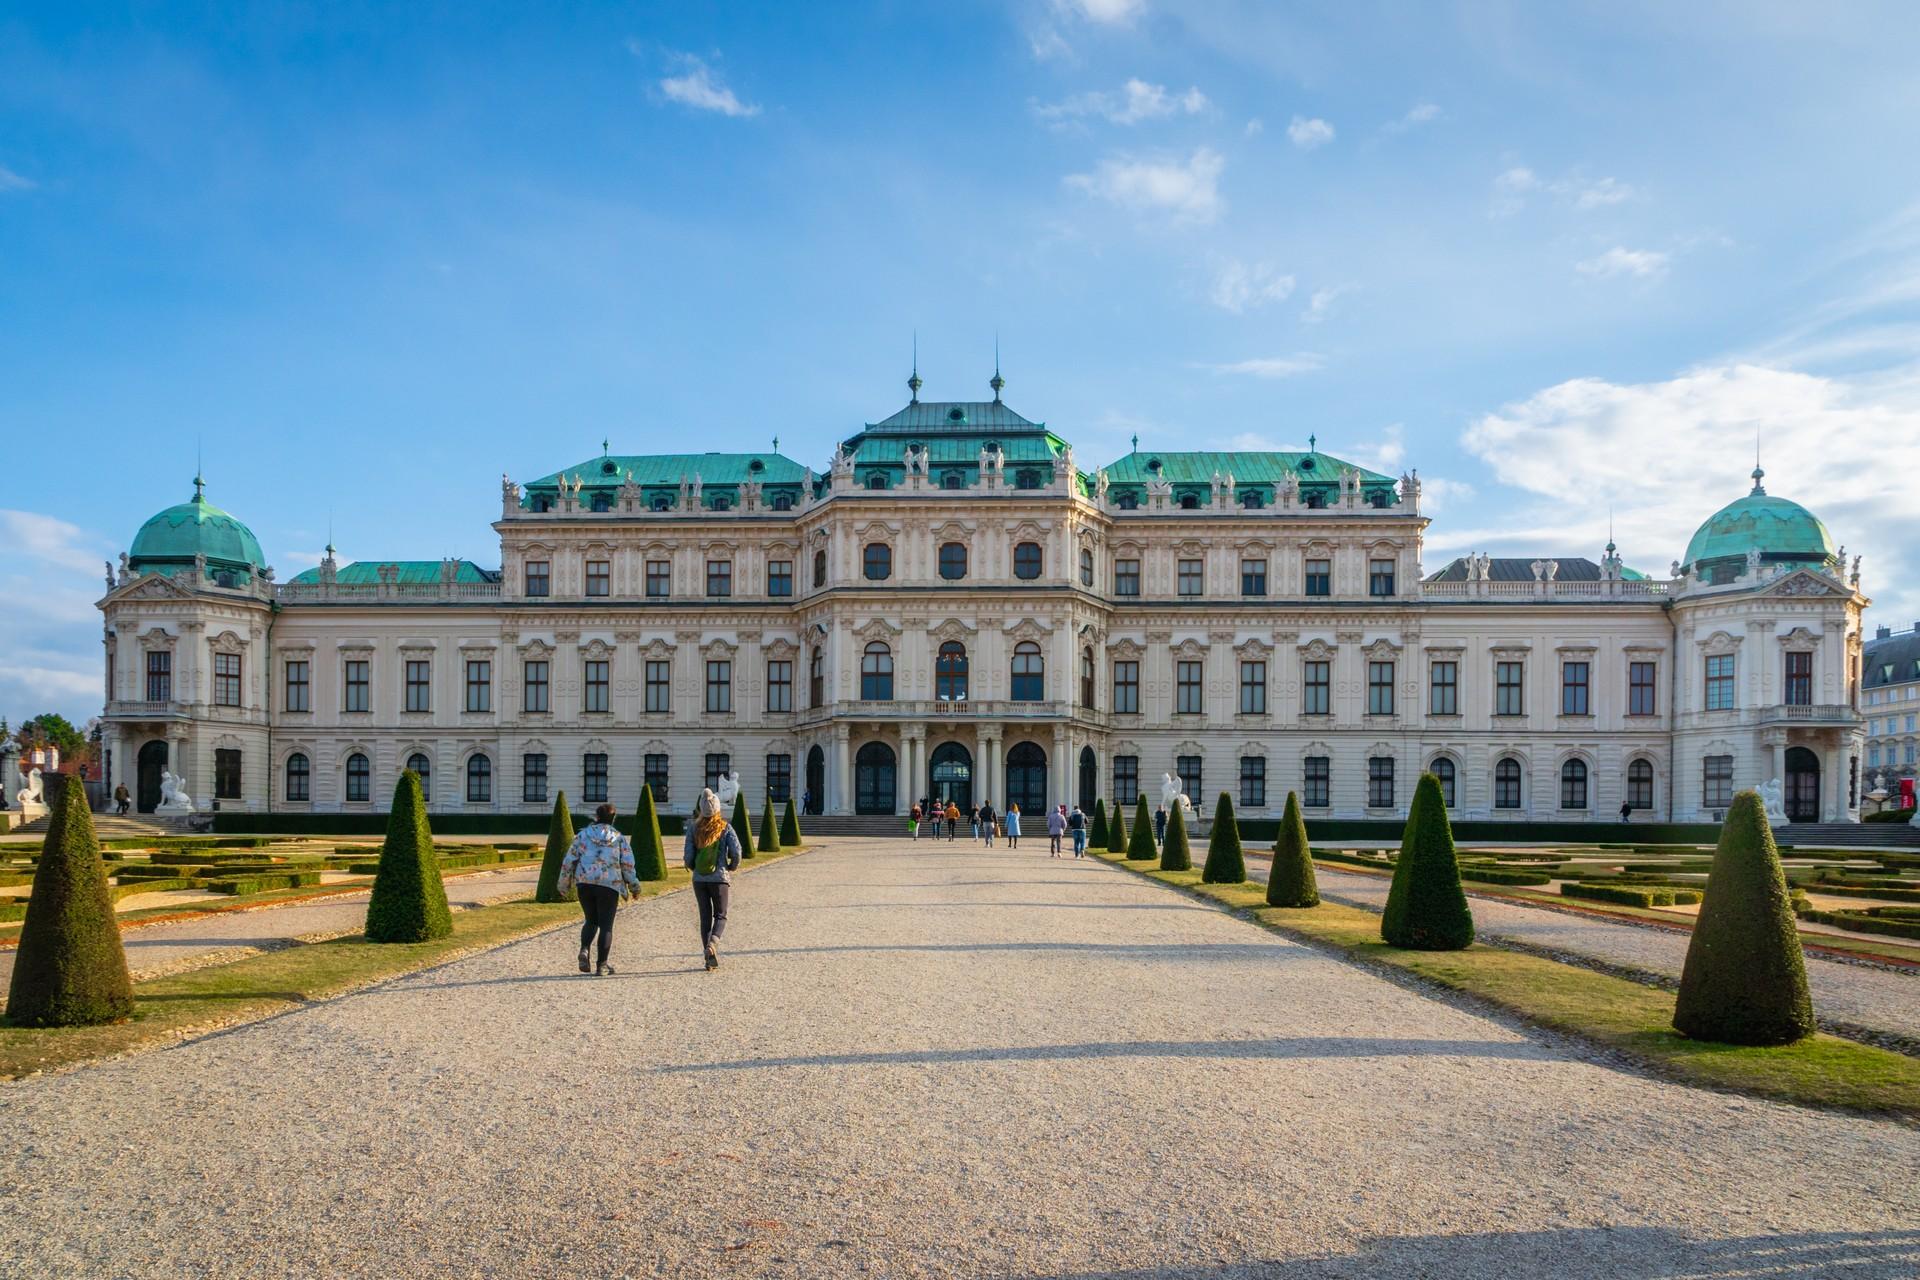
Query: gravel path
point(178, 945)
point(925, 1062)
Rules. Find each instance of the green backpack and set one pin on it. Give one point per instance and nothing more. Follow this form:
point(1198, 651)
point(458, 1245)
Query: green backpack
point(706, 859)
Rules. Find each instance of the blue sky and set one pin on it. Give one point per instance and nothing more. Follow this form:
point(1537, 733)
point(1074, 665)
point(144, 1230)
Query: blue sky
point(1563, 259)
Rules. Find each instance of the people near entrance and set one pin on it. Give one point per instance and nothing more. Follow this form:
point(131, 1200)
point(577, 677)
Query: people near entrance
point(983, 822)
point(712, 853)
point(806, 800)
point(1160, 824)
point(1077, 824)
point(913, 821)
point(953, 819)
point(1012, 826)
point(1626, 810)
point(1056, 828)
point(122, 799)
point(973, 821)
point(599, 865)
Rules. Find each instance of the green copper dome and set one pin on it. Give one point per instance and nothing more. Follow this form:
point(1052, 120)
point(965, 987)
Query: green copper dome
point(173, 538)
point(1781, 531)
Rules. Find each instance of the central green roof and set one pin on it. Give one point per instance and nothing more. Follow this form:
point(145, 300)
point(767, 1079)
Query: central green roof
point(411, 572)
point(171, 539)
point(1198, 467)
point(666, 469)
point(1780, 530)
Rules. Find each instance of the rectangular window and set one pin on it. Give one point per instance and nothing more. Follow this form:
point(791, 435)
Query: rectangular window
point(1443, 689)
point(654, 775)
point(539, 577)
point(1716, 782)
point(719, 765)
point(533, 778)
point(1253, 782)
point(1720, 683)
point(419, 685)
point(226, 771)
point(659, 686)
point(1799, 679)
point(593, 778)
point(1126, 782)
point(1319, 577)
point(1640, 689)
point(1509, 688)
point(780, 685)
point(1253, 688)
point(1380, 782)
point(1126, 687)
point(536, 690)
point(359, 779)
point(659, 579)
point(779, 778)
point(596, 692)
point(299, 778)
point(1193, 577)
point(479, 684)
point(358, 686)
point(719, 686)
point(1253, 577)
point(599, 577)
point(1316, 782)
point(1574, 681)
point(226, 679)
point(159, 676)
point(1126, 577)
point(1379, 688)
point(779, 577)
point(1189, 695)
point(1316, 691)
point(1380, 579)
point(1188, 769)
point(719, 577)
point(299, 687)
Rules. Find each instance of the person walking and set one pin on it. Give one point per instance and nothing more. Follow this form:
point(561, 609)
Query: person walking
point(599, 866)
point(1013, 826)
point(1626, 810)
point(983, 822)
point(1056, 827)
point(953, 821)
point(913, 822)
point(121, 799)
point(712, 854)
point(1077, 823)
point(1160, 824)
point(973, 821)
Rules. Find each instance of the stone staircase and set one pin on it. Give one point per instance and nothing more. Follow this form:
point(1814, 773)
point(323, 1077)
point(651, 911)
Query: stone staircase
point(848, 825)
point(111, 826)
point(1848, 835)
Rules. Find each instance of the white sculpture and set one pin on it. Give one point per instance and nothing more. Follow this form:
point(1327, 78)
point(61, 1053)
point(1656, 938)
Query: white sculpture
point(32, 797)
point(1171, 797)
point(1100, 483)
point(1773, 794)
point(728, 790)
point(173, 793)
point(1753, 562)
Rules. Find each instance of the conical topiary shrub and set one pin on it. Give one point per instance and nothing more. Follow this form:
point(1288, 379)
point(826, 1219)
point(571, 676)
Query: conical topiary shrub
point(769, 830)
point(1426, 907)
point(1098, 837)
point(1291, 882)
point(1174, 854)
point(649, 855)
point(743, 825)
point(70, 969)
point(790, 827)
point(1226, 861)
point(559, 840)
point(1117, 830)
point(1140, 845)
point(409, 902)
point(1745, 981)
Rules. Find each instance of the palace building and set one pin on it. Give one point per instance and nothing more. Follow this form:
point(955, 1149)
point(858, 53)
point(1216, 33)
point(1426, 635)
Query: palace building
point(957, 607)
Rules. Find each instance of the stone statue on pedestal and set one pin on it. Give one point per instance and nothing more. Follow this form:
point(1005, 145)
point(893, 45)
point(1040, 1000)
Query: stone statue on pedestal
point(173, 793)
point(32, 797)
point(1773, 794)
point(727, 789)
point(1171, 797)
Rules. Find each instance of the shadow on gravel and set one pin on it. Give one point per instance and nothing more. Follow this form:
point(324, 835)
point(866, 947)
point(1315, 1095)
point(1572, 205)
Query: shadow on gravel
point(1622, 1253)
point(1280, 948)
point(916, 905)
point(1298, 1047)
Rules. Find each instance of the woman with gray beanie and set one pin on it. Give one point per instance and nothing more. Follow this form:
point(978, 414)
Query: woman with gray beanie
point(712, 854)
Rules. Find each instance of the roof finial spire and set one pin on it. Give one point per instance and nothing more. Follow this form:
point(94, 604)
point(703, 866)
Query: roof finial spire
point(1610, 546)
point(913, 380)
point(199, 481)
point(1136, 442)
point(996, 382)
point(776, 444)
point(1759, 490)
point(1313, 444)
point(604, 446)
point(329, 533)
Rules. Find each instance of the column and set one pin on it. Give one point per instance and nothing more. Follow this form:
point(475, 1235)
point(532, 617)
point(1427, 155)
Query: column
point(907, 785)
point(842, 781)
point(1834, 795)
point(1060, 777)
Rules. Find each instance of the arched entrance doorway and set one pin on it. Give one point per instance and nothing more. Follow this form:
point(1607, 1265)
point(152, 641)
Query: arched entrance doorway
point(1803, 785)
point(816, 781)
point(873, 779)
point(151, 763)
point(1027, 778)
point(950, 775)
point(1089, 779)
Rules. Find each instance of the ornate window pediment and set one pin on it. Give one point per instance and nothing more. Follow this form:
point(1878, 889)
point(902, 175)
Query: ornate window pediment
point(535, 648)
point(1253, 748)
point(1315, 748)
point(1190, 648)
point(1190, 549)
point(1190, 748)
point(658, 649)
point(1576, 649)
point(1259, 546)
point(354, 648)
point(597, 746)
point(1028, 629)
point(876, 629)
point(597, 648)
point(1318, 650)
point(1028, 531)
point(1128, 550)
point(1721, 642)
point(952, 531)
point(1124, 747)
point(717, 747)
point(157, 639)
point(1382, 650)
point(1801, 638)
point(1644, 652)
point(1803, 584)
point(952, 629)
point(780, 648)
point(1126, 648)
point(417, 647)
point(227, 642)
point(1318, 549)
point(1445, 649)
point(721, 647)
point(1253, 647)
point(1382, 749)
point(1510, 651)
point(655, 747)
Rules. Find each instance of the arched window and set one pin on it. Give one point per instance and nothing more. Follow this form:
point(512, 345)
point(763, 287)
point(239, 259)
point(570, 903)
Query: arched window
point(1506, 784)
point(1444, 771)
point(1573, 784)
point(876, 673)
point(1251, 500)
point(950, 672)
point(1086, 566)
point(819, 569)
point(953, 561)
point(876, 562)
point(1086, 677)
point(1189, 502)
point(1127, 501)
point(1640, 784)
point(1026, 560)
point(479, 780)
point(419, 763)
point(816, 680)
point(359, 779)
point(1029, 672)
point(877, 480)
point(299, 777)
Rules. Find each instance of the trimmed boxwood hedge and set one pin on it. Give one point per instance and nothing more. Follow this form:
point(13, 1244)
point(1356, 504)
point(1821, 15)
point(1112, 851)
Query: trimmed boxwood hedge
point(1909, 894)
point(1895, 922)
point(1632, 895)
point(1889, 815)
point(1352, 859)
point(296, 825)
point(261, 884)
point(1495, 875)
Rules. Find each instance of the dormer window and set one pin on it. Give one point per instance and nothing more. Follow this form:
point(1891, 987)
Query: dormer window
point(878, 480)
point(1189, 502)
point(783, 503)
point(662, 502)
point(1251, 500)
point(602, 502)
point(542, 502)
point(1128, 501)
point(721, 504)
point(953, 480)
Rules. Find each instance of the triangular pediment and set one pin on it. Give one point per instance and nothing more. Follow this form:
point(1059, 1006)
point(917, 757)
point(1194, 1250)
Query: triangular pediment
point(1805, 583)
point(151, 586)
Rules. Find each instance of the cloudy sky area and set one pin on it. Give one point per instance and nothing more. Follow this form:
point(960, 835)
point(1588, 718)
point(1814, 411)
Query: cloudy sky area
point(1570, 261)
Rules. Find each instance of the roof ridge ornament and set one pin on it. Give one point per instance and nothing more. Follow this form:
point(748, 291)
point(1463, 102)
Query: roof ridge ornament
point(997, 382)
point(913, 379)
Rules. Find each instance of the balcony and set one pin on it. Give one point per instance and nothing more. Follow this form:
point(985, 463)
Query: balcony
point(1839, 715)
point(129, 709)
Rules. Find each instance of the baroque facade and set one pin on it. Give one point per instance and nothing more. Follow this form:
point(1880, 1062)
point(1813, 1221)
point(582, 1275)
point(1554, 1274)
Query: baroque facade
point(1891, 696)
point(954, 607)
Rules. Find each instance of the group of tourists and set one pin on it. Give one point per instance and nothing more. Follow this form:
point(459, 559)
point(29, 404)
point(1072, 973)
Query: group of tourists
point(934, 816)
point(599, 866)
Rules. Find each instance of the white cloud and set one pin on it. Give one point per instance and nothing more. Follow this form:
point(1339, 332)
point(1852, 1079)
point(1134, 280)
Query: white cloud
point(1241, 286)
point(1048, 44)
point(1321, 302)
point(697, 87)
point(1596, 195)
point(1512, 186)
point(1424, 113)
point(1641, 264)
point(1273, 366)
point(11, 181)
point(1189, 190)
point(1385, 454)
point(1437, 494)
point(50, 651)
point(1107, 12)
point(1255, 127)
point(1136, 101)
point(1308, 134)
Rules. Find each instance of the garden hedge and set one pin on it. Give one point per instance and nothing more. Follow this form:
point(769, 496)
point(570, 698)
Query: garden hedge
point(559, 840)
point(1097, 836)
point(70, 969)
point(649, 853)
point(742, 825)
point(409, 900)
point(1174, 854)
point(1140, 846)
point(1496, 875)
point(769, 830)
point(1648, 896)
point(1291, 882)
point(1894, 922)
point(1426, 907)
point(1226, 861)
point(790, 827)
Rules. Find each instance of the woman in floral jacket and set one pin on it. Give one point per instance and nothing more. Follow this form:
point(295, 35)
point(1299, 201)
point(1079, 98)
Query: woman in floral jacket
point(600, 865)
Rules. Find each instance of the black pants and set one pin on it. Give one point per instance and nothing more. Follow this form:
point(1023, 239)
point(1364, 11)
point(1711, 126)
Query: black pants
point(713, 909)
point(598, 904)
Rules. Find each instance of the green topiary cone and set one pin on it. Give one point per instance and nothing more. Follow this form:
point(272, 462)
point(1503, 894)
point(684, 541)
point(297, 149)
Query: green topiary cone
point(1117, 831)
point(1098, 836)
point(649, 854)
point(769, 830)
point(1745, 981)
point(559, 840)
point(1226, 861)
point(70, 969)
point(409, 902)
point(790, 827)
point(743, 825)
point(1291, 882)
point(1426, 907)
point(1140, 845)
point(1174, 854)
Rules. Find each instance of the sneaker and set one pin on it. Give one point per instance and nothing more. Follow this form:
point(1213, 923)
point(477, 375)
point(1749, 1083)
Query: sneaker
point(713, 961)
point(586, 965)
point(605, 970)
